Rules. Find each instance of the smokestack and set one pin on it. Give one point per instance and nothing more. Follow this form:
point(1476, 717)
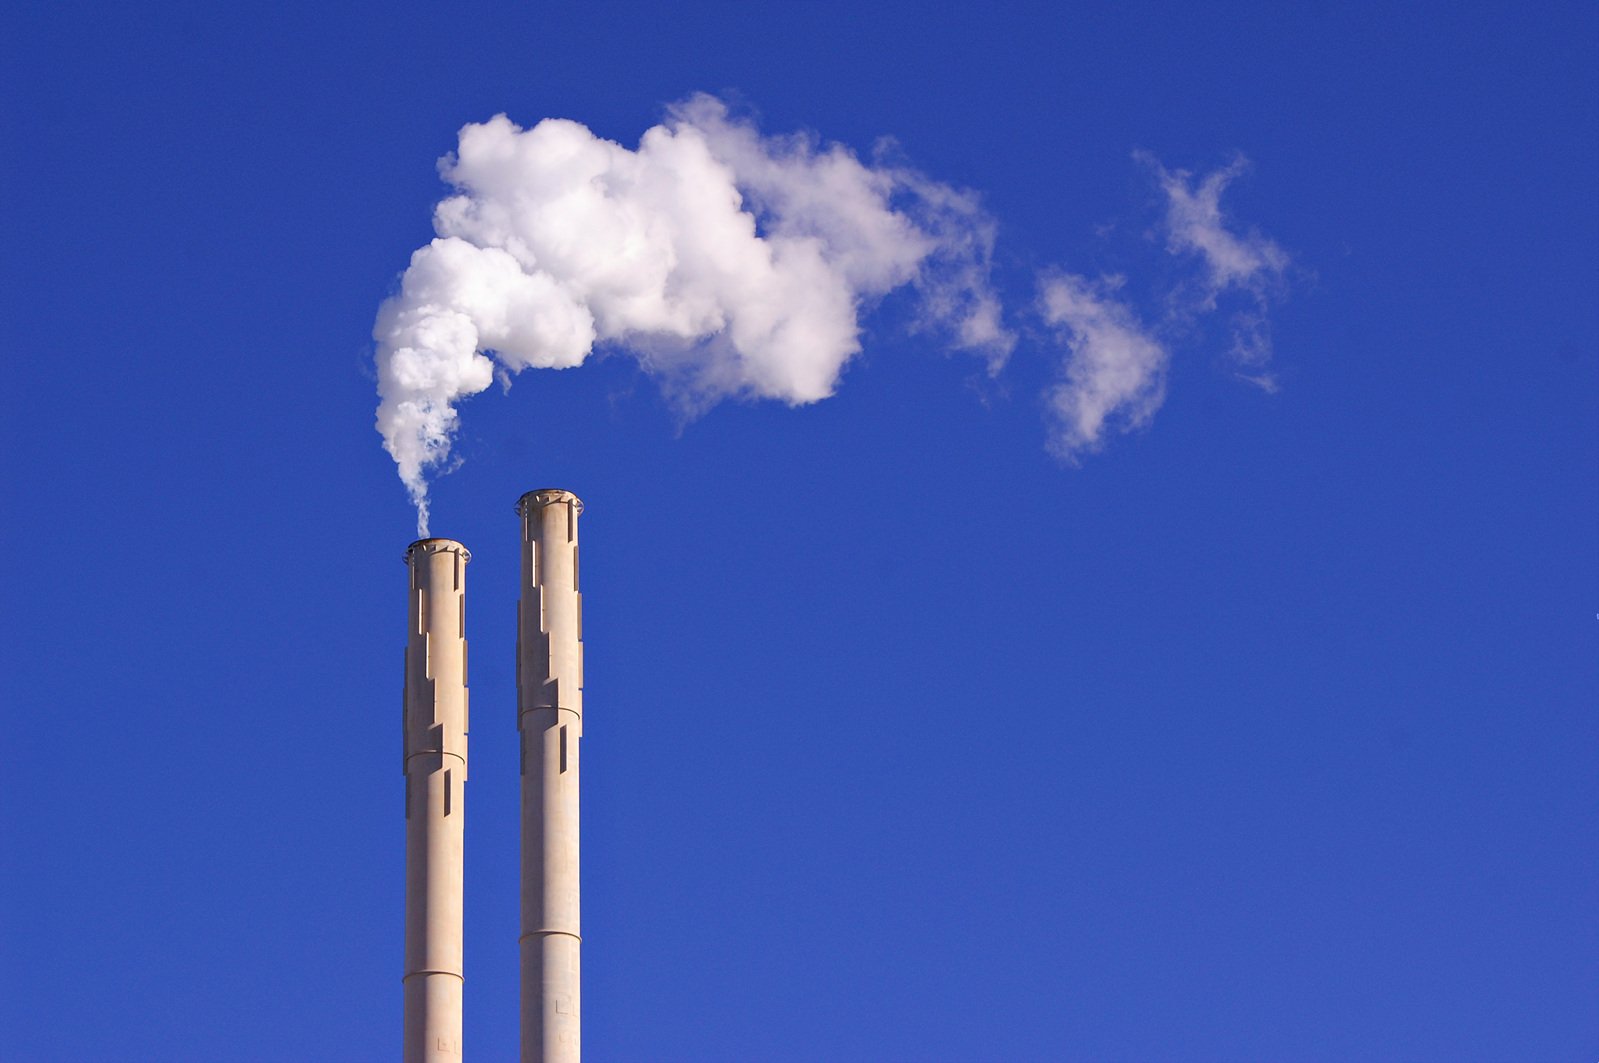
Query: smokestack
point(435, 776)
point(549, 680)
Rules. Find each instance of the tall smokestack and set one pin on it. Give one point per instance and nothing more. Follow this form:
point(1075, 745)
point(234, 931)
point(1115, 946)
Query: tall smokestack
point(435, 774)
point(549, 659)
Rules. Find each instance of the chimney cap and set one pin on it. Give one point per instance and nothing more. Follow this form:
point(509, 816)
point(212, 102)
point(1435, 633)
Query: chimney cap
point(546, 496)
point(435, 546)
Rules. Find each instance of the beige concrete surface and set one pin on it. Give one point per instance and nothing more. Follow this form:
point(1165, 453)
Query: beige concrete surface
point(435, 728)
point(549, 658)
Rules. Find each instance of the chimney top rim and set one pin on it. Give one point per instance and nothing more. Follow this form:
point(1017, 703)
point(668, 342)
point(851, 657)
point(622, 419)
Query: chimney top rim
point(434, 545)
point(545, 496)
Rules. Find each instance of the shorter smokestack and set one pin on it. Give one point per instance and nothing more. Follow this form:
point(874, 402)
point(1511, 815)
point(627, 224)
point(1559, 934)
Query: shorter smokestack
point(435, 727)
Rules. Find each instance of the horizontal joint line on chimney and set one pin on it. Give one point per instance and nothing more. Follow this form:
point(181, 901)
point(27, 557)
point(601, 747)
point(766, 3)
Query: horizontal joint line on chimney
point(416, 974)
point(431, 753)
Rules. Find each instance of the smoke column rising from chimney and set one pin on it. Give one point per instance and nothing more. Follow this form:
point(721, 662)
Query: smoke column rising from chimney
point(729, 263)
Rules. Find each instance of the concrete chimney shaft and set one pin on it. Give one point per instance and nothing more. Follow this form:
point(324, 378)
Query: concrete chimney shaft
point(435, 776)
point(549, 658)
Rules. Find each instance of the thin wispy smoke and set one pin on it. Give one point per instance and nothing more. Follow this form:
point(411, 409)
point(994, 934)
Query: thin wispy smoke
point(1245, 262)
point(1113, 377)
point(729, 263)
point(1112, 374)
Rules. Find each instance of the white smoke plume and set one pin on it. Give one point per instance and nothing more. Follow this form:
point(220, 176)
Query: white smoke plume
point(729, 263)
point(1245, 262)
point(1114, 373)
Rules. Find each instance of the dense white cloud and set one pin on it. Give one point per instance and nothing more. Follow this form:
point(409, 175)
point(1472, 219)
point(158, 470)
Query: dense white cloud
point(728, 262)
point(1113, 377)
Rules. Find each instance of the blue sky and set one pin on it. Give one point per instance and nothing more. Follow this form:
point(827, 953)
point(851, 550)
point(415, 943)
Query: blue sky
point(1264, 732)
